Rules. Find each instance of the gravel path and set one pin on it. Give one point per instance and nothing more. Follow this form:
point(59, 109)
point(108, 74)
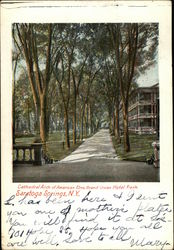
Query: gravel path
point(97, 146)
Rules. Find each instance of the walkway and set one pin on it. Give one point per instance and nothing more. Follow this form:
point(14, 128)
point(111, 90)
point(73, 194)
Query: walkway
point(97, 146)
point(94, 161)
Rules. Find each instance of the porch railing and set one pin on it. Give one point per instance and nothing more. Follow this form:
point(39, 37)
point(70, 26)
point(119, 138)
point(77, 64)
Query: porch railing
point(28, 154)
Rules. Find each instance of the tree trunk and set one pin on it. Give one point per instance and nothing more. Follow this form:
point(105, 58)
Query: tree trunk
point(82, 117)
point(29, 124)
point(125, 128)
point(66, 125)
point(82, 128)
point(74, 120)
point(77, 126)
point(37, 118)
point(113, 123)
point(92, 126)
point(14, 83)
point(43, 132)
point(86, 120)
point(48, 116)
point(117, 128)
point(35, 95)
point(110, 122)
point(90, 121)
point(74, 127)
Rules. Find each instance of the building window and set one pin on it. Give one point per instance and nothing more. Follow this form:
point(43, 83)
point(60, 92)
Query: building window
point(133, 124)
point(145, 109)
point(145, 97)
point(145, 122)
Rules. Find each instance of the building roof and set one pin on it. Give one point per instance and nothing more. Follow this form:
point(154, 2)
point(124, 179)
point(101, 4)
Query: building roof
point(139, 89)
point(155, 86)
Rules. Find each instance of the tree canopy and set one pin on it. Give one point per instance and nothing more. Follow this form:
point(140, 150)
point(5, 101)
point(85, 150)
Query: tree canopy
point(72, 75)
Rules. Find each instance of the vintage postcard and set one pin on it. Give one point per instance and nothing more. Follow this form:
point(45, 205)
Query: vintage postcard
point(86, 125)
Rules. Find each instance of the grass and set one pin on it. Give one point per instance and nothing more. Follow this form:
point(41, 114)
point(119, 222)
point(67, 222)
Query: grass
point(56, 150)
point(141, 147)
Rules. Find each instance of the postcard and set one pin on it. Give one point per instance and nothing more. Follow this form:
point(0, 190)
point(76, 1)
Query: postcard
point(86, 125)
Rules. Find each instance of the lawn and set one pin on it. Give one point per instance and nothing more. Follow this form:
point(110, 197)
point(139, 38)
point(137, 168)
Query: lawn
point(141, 147)
point(56, 149)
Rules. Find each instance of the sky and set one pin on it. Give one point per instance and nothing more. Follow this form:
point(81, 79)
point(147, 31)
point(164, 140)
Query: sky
point(149, 78)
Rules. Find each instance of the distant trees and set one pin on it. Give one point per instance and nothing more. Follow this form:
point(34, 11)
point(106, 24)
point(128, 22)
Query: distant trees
point(76, 73)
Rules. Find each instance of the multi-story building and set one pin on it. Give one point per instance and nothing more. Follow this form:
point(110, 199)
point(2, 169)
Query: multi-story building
point(144, 110)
